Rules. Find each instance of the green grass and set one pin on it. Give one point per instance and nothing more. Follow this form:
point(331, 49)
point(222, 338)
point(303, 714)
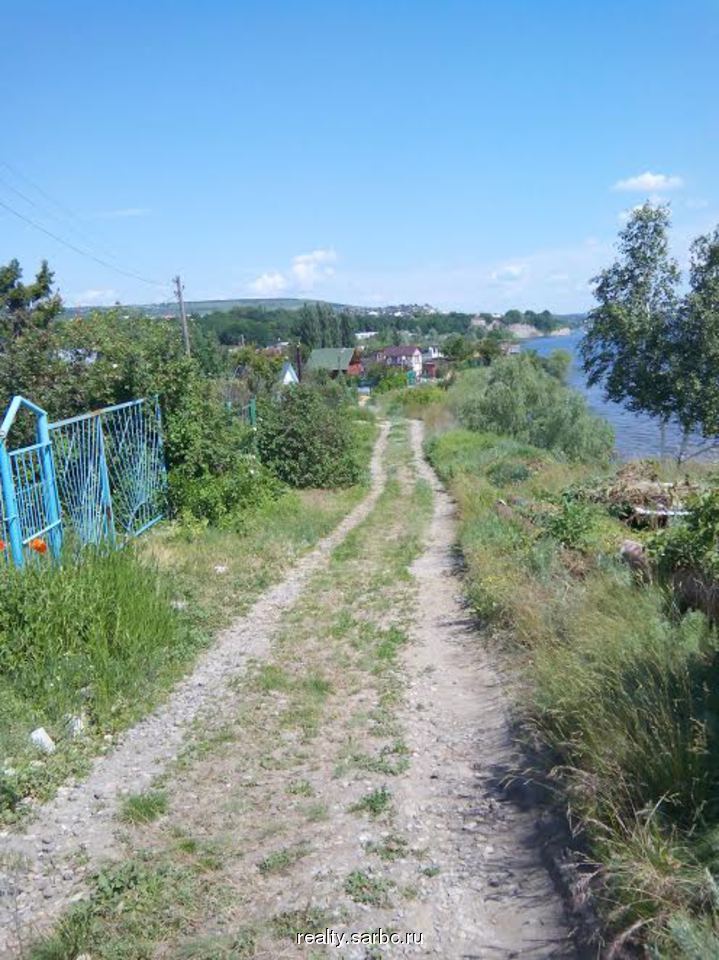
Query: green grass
point(375, 803)
point(131, 905)
point(97, 639)
point(281, 860)
point(363, 887)
point(144, 807)
point(391, 847)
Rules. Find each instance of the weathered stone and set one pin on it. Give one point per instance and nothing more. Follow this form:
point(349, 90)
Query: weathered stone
point(42, 740)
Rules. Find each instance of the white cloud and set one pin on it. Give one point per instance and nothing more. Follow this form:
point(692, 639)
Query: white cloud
point(509, 273)
point(305, 272)
point(649, 182)
point(269, 283)
point(92, 298)
point(309, 268)
point(124, 212)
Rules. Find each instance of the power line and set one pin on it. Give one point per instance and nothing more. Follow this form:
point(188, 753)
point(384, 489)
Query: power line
point(76, 249)
point(69, 214)
point(84, 234)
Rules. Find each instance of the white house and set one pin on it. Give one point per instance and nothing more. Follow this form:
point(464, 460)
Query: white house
point(288, 375)
point(409, 357)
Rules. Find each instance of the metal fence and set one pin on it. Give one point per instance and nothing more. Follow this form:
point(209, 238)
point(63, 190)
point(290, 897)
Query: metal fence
point(248, 412)
point(98, 477)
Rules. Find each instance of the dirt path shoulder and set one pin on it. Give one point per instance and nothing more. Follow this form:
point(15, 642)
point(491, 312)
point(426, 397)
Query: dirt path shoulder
point(493, 897)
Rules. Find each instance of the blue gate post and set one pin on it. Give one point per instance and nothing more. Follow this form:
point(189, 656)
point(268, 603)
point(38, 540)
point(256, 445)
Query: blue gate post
point(51, 501)
point(12, 520)
point(105, 484)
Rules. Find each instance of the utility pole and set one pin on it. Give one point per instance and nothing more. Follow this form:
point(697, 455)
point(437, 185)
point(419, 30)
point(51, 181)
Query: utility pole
point(183, 316)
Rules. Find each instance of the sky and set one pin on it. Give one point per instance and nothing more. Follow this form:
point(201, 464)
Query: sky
point(472, 154)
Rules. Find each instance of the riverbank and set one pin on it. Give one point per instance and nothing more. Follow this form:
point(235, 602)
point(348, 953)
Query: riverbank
point(637, 435)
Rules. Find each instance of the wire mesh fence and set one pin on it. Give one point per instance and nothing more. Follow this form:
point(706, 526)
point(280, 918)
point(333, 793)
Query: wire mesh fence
point(95, 478)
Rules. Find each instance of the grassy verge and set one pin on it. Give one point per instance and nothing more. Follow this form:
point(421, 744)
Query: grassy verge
point(619, 689)
point(87, 648)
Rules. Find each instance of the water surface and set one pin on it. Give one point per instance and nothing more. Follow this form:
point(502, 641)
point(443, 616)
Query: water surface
point(637, 435)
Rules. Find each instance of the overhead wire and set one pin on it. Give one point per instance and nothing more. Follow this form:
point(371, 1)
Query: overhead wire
point(67, 219)
point(73, 219)
point(79, 250)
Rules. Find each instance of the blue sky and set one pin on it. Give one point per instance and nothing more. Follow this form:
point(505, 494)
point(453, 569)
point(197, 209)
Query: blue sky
point(476, 155)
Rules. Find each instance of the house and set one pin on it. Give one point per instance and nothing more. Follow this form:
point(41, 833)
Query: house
point(365, 334)
point(509, 348)
point(335, 360)
point(288, 375)
point(431, 353)
point(408, 357)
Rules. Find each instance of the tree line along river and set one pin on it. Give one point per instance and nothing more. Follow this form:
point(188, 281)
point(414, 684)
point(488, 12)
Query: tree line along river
point(637, 435)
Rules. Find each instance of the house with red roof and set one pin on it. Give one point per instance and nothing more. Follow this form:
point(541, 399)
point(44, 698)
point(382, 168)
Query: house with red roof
point(406, 356)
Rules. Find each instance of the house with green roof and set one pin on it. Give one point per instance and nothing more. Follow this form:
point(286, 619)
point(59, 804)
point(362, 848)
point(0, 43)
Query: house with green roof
point(335, 360)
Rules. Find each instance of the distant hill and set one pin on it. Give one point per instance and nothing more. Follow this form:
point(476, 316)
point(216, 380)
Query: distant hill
point(201, 307)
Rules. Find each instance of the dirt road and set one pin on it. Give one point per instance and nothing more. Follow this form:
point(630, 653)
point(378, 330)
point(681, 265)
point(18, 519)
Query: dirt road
point(326, 773)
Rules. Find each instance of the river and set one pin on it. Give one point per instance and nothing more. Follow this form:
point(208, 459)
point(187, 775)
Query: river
point(637, 435)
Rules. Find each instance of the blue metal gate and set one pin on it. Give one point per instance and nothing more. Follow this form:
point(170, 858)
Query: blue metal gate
point(98, 477)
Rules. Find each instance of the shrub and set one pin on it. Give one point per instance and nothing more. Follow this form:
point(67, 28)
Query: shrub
point(220, 499)
point(693, 543)
point(518, 398)
point(507, 472)
point(306, 441)
point(619, 690)
point(573, 524)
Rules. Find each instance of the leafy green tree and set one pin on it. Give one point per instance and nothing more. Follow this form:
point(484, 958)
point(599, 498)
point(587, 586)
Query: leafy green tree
point(307, 329)
point(557, 364)
point(694, 343)
point(516, 396)
point(306, 441)
point(24, 307)
point(624, 349)
point(488, 350)
point(347, 329)
point(331, 322)
point(457, 347)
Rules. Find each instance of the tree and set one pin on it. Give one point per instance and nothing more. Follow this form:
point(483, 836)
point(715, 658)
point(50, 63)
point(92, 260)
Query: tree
point(624, 349)
point(26, 306)
point(347, 329)
point(307, 329)
point(457, 347)
point(694, 344)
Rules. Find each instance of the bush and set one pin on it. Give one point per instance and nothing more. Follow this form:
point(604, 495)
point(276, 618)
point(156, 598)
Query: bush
point(214, 474)
point(507, 472)
point(518, 398)
point(221, 499)
point(693, 543)
point(306, 441)
point(573, 525)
